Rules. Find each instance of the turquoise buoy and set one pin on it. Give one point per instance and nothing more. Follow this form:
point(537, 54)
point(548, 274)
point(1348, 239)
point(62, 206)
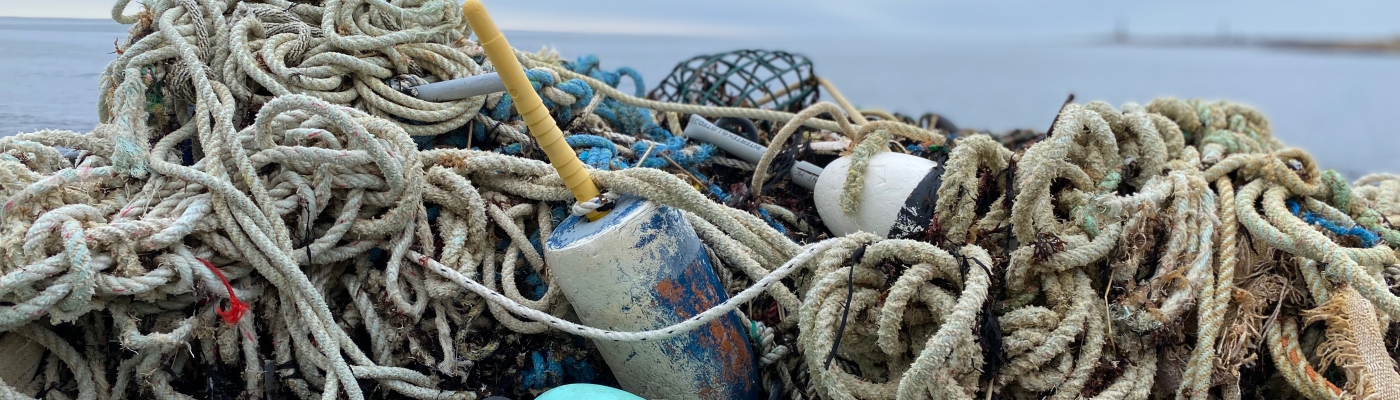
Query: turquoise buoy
point(584, 391)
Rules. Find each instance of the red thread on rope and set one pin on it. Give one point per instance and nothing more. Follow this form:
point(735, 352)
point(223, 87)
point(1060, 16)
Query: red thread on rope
point(236, 308)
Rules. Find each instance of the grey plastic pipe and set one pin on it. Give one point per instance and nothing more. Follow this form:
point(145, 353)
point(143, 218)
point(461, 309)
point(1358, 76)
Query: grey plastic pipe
point(804, 174)
point(458, 89)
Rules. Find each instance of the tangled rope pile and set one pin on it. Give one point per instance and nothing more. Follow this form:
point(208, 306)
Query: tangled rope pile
point(264, 211)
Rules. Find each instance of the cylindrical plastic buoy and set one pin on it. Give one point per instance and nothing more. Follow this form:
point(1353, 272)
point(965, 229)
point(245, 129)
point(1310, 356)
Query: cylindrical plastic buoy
point(897, 201)
point(584, 391)
point(638, 267)
point(893, 203)
point(641, 267)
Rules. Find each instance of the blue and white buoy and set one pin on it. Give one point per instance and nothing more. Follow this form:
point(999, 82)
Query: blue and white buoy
point(642, 267)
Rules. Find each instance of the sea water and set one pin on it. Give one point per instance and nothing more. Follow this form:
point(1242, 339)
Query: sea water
point(1338, 106)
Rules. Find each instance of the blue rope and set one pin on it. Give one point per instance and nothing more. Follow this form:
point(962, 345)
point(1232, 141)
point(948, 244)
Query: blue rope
point(537, 286)
point(638, 121)
point(596, 151)
point(1368, 238)
point(536, 283)
point(557, 215)
point(457, 138)
point(631, 120)
point(579, 370)
point(545, 371)
point(548, 370)
point(478, 133)
point(675, 149)
point(715, 190)
point(510, 149)
point(539, 79)
point(589, 65)
point(771, 222)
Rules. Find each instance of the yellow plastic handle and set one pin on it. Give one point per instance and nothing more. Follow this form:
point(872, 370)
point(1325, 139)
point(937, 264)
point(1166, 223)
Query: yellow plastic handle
point(529, 105)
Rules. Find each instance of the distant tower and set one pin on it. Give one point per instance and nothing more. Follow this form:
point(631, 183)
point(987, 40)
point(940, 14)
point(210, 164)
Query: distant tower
point(1120, 31)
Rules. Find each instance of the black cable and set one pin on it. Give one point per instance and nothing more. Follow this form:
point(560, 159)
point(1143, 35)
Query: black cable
point(1050, 131)
point(850, 292)
point(993, 358)
point(308, 240)
point(1006, 203)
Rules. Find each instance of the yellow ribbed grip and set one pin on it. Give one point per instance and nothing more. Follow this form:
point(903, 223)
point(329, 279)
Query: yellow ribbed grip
point(529, 105)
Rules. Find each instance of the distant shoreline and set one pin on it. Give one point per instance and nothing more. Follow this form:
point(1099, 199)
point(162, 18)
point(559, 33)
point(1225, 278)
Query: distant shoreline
point(107, 19)
point(1389, 46)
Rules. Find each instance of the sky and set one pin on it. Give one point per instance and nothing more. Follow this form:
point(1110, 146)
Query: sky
point(1012, 19)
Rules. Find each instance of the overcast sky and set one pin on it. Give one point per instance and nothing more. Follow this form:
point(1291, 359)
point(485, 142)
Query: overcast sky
point(885, 18)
